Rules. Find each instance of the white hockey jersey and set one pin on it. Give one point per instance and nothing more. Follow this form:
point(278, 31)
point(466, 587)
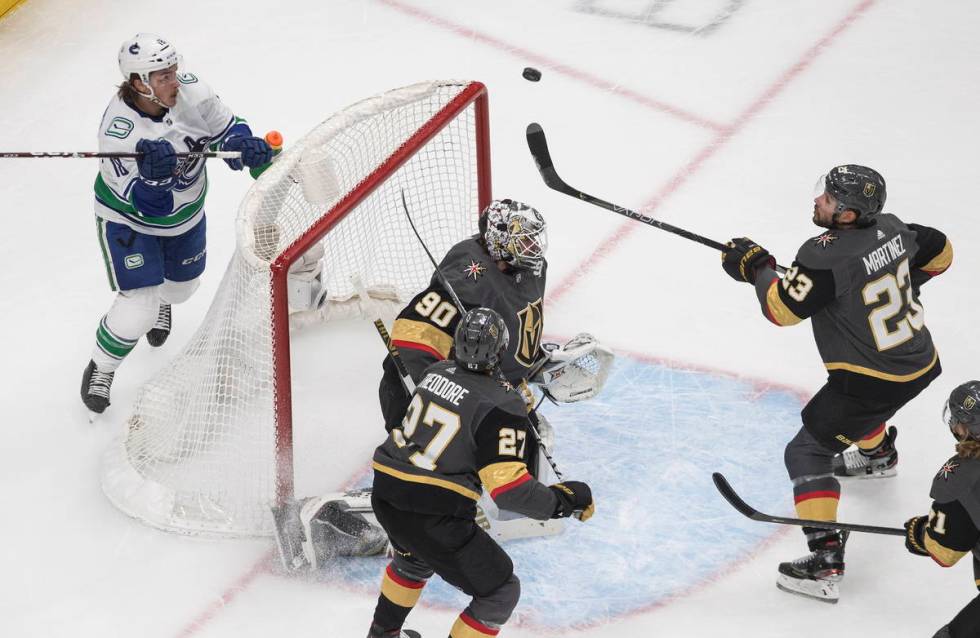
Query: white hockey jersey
point(197, 122)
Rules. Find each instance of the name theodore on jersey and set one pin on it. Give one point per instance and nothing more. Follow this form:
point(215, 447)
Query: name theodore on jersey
point(443, 388)
point(884, 254)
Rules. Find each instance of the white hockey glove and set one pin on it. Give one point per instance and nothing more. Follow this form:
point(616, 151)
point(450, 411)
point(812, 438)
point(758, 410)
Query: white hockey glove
point(575, 371)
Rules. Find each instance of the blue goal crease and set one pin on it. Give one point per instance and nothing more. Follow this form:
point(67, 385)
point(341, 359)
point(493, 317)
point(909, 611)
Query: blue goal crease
point(647, 446)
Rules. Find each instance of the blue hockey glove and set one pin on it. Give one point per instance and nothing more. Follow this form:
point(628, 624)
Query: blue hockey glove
point(255, 151)
point(159, 160)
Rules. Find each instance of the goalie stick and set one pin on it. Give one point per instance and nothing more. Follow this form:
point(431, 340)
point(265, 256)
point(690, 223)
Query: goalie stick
point(538, 145)
point(744, 508)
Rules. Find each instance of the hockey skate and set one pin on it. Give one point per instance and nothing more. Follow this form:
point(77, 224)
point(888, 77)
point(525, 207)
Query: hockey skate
point(877, 463)
point(377, 632)
point(95, 388)
point(157, 336)
point(818, 574)
point(288, 529)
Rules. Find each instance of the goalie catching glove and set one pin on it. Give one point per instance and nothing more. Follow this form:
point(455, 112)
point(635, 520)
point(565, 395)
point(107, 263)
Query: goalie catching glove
point(575, 371)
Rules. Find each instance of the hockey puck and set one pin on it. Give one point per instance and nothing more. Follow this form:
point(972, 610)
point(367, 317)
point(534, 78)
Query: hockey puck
point(531, 74)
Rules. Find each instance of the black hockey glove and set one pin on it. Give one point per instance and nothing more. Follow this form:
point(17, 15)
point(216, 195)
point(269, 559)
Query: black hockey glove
point(574, 499)
point(915, 529)
point(255, 151)
point(159, 160)
point(743, 259)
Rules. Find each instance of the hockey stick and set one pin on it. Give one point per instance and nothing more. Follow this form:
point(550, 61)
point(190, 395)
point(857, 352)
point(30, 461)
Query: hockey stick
point(442, 277)
point(538, 145)
point(744, 508)
point(86, 154)
point(395, 357)
point(379, 325)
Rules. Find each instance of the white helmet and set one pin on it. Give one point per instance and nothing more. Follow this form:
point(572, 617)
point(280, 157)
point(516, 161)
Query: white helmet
point(144, 54)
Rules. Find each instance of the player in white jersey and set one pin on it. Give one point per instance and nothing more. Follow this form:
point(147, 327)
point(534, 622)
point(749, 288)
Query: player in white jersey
point(150, 211)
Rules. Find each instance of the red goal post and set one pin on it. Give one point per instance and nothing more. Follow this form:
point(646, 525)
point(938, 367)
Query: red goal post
point(209, 442)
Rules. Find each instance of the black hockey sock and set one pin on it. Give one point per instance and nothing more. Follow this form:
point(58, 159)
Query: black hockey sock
point(398, 597)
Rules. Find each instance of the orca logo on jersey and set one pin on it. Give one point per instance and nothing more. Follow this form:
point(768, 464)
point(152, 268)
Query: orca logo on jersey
point(531, 321)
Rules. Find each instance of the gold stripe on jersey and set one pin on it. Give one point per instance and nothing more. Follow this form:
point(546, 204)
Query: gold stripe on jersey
point(898, 378)
point(818, 509)
point(422, 333)
point(778, 310)
point(426, 480)
point(498, 475)
point(941, 554)
point(403, 595)
point(940, 262)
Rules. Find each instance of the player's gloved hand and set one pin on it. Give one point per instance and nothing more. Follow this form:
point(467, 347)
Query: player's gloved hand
point(743, 259)
point(159, 161)
point(915, 529)
point(255, 151)
point(574, 499)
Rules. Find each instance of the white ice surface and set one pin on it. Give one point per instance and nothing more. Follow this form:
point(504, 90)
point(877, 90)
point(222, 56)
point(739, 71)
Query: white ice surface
point(723, 133)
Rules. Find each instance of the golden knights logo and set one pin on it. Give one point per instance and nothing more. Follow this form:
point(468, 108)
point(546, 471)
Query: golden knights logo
point(531, 322)
point(869, 189)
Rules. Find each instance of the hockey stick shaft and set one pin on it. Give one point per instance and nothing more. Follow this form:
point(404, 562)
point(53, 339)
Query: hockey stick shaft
point(745, 509)
point(538, 144)
point(442, 277)
point(87, 155)
point(395, 357)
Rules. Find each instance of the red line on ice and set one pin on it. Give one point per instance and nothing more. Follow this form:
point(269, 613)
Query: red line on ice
point(554, 66)
point(628, 227)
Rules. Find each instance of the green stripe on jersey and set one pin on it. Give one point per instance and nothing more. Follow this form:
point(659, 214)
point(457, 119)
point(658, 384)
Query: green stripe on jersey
point(100, 226)
point(128, 210)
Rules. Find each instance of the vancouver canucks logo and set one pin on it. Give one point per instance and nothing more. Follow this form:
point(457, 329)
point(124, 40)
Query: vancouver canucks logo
point(531, 321)
point(825, 240)
point(948, 468)
point(474, 270)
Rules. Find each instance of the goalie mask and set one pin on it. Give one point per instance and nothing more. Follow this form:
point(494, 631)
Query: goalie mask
point(515, 233)
point(963, 408)
point(481, 337)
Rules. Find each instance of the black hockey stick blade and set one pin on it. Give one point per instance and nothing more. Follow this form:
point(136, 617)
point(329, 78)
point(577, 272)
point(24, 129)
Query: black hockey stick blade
point(537, 143)
point(745, 509)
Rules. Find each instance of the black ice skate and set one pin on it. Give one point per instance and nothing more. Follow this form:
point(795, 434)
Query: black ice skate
point(877, 463)
point(95, 388)
point(377, 632)
point(157, 336)
point(818, 574)
point(289, 536)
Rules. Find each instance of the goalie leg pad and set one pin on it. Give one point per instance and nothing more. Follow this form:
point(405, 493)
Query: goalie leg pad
point(305, 289)
point(335, 527)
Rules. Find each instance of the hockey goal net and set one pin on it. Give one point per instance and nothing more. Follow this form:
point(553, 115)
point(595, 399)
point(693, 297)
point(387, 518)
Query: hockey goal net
point(209, 442)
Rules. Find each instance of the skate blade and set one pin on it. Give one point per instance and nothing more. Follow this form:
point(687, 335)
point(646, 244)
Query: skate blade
point(822, 590)
point(889, 473)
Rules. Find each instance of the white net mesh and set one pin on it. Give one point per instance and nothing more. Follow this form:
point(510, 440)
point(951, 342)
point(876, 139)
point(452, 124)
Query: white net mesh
point(200, 451)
